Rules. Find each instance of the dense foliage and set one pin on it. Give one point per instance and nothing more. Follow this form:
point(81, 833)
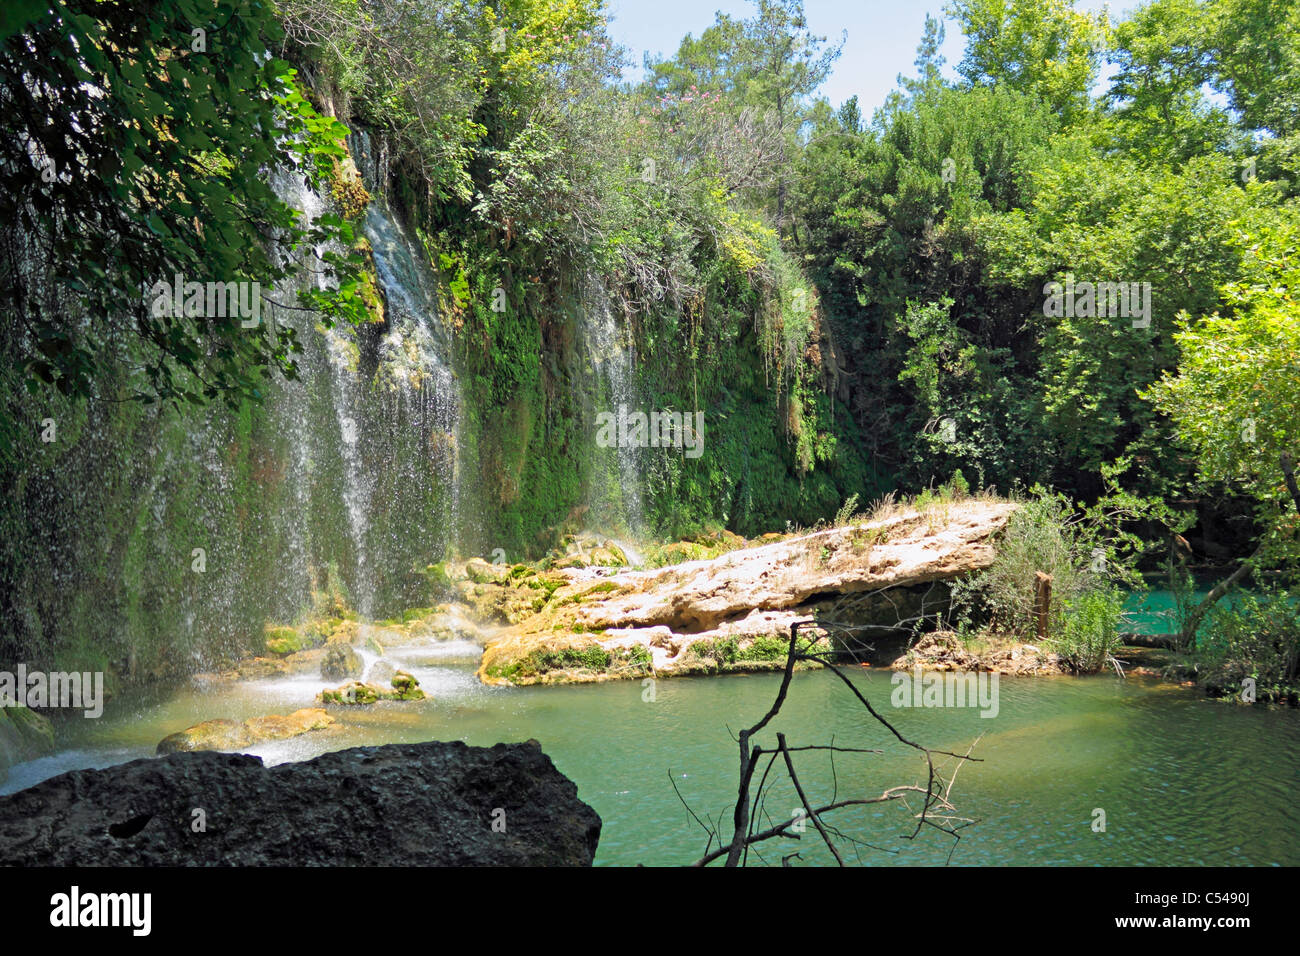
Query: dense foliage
point(1027, 273)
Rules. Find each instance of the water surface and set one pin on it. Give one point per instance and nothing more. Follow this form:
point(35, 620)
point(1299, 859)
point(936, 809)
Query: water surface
point(1182, 780)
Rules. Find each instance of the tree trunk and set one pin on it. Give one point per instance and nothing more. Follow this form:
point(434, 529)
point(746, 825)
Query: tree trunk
point(1288, 475)
point(1220, 589)
point(1042, 602)
point(1173, 641)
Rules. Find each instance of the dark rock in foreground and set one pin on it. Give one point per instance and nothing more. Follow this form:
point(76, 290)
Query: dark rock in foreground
point(428, 804)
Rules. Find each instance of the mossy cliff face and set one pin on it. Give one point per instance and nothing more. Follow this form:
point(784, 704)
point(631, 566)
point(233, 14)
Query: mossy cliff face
point(24, 735)
point(156, 543)
point(773, 452)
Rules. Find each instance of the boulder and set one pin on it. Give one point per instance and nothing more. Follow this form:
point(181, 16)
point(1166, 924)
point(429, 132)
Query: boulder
point(381, 672)
point(426, 804)
point(283, 641)
point(218, 734)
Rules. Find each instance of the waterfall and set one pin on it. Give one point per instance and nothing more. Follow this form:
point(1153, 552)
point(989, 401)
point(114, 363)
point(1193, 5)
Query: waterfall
point(617, 485)
point(373, 423)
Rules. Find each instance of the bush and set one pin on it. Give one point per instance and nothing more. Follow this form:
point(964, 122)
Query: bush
point(1038, 537)
point(1088, 634)
point(1258, 637)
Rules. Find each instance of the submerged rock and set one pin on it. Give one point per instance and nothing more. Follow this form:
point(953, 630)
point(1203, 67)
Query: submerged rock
point(224, 734)
point(426, 804)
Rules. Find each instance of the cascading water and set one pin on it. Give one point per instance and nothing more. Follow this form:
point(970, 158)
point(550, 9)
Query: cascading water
point(374, 424)
point(617, 492)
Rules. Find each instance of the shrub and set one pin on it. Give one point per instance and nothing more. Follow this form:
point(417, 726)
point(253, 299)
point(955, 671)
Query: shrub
point(1257, 637)
point(1038, 537)
point(1088, 634)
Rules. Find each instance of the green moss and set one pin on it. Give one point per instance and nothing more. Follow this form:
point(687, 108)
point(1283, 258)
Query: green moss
point(347, 189)
point(284, 640)
point(34, 731)
point(440, 580)
point(726, 652)
point(540, 662)
point(479, 575)
point(765, 648)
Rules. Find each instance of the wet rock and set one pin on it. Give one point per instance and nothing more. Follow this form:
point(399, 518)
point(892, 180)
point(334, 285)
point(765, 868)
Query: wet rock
point(381, 672)
point(256, 668)
point(218, 734)
point(402, 687)
point(223, 734)
point(589, 554)
point(407, 687)
point(480, 572)
point(345, 632)
point(426, 804)
point(305, 662)
point(284, 640)
point(341, 662)
point(24, 735)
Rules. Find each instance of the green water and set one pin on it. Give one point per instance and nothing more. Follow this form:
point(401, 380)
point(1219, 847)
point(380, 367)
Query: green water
point(1182, 780)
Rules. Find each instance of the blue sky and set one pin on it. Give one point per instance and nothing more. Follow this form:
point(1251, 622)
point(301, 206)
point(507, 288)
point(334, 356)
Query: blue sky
point(881, 43)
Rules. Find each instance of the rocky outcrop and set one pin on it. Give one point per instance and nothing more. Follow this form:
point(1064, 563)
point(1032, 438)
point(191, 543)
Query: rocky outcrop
point(329, 645)
point(427, 804)
point(223, 734)
point(741, 603)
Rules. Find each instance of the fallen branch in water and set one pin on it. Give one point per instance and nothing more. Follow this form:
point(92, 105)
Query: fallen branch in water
point(936, 809)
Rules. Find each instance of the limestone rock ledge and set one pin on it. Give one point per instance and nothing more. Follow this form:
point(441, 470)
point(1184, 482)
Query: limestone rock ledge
point(734, 611)
point(426, 804)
